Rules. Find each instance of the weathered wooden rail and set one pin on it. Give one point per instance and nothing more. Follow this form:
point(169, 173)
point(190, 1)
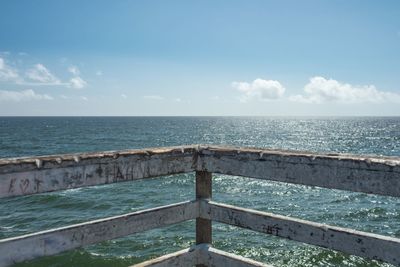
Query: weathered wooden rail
point(24, 176)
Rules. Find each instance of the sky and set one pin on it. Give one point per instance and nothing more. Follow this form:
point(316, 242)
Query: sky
point(199, 58)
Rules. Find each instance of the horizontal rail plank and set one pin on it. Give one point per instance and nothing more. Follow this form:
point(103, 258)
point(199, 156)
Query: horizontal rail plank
point(24, 176)
point(201, 254)
point(367, 245)
point(376, 175)
point(210, 256)
point(46, 243)
point(184, 257)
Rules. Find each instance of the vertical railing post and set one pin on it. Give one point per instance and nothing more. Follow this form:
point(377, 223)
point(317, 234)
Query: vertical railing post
point(203, 191)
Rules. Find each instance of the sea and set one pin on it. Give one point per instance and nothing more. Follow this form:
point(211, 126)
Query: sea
point(29, 136)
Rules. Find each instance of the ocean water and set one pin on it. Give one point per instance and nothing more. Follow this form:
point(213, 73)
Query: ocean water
point(26, 136)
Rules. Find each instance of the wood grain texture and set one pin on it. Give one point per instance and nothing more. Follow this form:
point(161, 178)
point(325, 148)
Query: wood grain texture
point(212, 257)
point(369, 174)
point(367, 245)
point(203, 192)
point(18, 249)
point(26, 176)
point(184, 257)
point(201, 254)
point(376, 175)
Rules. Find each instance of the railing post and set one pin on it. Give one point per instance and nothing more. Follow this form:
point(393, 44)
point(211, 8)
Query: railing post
point(203, 191)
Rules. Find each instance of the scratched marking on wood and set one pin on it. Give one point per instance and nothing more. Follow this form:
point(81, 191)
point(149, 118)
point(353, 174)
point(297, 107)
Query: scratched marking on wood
point(378, 175)
point(23, 177)
point(355, 173)
point(54, 241)
point(347, 172)
point(372, 246)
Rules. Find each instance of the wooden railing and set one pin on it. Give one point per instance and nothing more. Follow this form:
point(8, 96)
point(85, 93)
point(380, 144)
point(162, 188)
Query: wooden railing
point(374, 175)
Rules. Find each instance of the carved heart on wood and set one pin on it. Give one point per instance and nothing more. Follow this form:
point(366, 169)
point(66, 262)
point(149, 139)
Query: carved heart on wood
point(23, 185)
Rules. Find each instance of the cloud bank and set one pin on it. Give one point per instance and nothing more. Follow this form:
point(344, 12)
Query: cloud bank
point(39, 73)
point(76, 81)
point(25, 95)
point(7, 73)
point(153, 97)
point(322, 90)
point(259, 89)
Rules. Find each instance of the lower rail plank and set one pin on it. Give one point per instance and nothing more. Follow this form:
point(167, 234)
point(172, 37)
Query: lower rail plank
point(46, 243)
point(210, 256)
point(202, 254)
point(367, 245)
point(184, 257)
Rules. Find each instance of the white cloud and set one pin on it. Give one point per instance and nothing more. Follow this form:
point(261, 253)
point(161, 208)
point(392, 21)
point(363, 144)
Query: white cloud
point(25, 95)
point(99, 73)
point(259, 89)
point(7, 73)
point(77, 82)
point(74, 70)
point(320, 90)
point(65, 97)
point(84, 98)
point(153, 97)
point(39, 73)
point(124, 96)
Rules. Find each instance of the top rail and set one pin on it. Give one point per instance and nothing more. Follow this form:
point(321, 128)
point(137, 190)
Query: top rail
point(24, 176)
point(369, 174)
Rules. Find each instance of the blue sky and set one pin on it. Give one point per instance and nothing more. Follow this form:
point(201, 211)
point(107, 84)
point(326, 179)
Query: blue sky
point(199, 58)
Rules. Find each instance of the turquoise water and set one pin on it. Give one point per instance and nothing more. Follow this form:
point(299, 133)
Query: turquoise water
point(50, 135)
